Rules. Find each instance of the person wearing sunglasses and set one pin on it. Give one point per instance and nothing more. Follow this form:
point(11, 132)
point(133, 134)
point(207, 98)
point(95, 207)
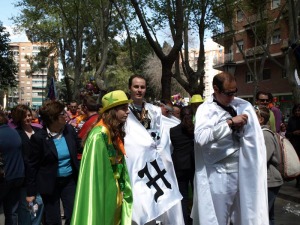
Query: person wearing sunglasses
point(52, 167)
point(230, 160)
point(262, 99)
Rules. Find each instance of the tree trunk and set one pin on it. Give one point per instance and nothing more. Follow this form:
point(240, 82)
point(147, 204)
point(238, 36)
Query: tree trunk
point(166, 80)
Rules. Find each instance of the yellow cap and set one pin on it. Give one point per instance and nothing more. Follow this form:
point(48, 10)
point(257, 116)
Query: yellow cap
point(113, 99)
point(196, 99)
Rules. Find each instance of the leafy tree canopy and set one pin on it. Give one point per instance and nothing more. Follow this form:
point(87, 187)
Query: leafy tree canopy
point(8, 68)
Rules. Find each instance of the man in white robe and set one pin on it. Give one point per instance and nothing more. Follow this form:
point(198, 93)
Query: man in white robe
point(147, 146)
point(230, 157)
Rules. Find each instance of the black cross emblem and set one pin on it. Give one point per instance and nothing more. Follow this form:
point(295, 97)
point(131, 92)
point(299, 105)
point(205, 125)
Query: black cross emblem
point(152, 180)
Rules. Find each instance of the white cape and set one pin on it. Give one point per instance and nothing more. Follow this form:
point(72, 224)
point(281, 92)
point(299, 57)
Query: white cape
point(252, 177)
point(141, 150)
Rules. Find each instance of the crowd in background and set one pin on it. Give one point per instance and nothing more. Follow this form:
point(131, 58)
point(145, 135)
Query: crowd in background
point(41, 151)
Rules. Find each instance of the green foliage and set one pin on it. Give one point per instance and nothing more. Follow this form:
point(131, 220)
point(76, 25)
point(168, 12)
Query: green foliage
point(8, 68)
point(254, 6)
point(141, 49)
point(225, 11)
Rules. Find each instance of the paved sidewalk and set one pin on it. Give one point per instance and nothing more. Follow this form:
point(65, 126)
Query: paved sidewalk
point(289, 192)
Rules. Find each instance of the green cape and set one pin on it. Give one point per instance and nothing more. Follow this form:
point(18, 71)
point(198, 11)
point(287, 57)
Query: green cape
point(97, 189)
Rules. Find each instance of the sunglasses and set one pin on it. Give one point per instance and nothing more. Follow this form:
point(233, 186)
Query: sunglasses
point(263, 100)
point(229, 93)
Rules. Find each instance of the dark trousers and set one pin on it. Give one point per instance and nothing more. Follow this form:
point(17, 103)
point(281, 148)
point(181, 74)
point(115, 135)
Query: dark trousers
point(185, 179)
point(9, 197)
point(65, 190)
point(272, 194)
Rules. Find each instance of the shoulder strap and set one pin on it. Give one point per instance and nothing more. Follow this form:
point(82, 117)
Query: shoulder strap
point(278, 145)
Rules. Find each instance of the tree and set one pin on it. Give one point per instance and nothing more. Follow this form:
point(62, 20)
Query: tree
point(198, 19)
point(175, 13)
point(8, 68)
point(152, 71)
point(81, 31)
point(180, 19)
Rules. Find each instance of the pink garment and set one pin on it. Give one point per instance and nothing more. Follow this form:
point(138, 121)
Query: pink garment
point(37, 125)
point(11, 123)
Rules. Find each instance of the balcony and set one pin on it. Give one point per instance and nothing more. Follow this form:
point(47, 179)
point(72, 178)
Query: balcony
point(221, 60)
point(255, 51)
point(225, 63)
point(255, 18)
point(220, 38)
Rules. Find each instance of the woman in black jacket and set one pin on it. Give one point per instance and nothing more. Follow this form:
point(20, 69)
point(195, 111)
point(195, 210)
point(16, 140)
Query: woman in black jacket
point(53, 166)
point(22, 117)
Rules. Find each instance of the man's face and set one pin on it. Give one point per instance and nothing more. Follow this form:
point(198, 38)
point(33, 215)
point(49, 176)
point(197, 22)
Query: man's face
point(73, 108)
point(263, 100)
point(138, 90)
point(226, 95)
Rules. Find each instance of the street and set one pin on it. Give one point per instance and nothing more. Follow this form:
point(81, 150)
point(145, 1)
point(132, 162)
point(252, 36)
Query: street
point(286, 213)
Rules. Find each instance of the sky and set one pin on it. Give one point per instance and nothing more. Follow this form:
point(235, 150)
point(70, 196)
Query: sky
point(7, 10)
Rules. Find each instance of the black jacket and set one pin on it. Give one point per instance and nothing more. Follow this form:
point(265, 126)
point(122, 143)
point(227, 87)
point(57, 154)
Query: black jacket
point(42, 168)
point(25, 142)
point(183, 153)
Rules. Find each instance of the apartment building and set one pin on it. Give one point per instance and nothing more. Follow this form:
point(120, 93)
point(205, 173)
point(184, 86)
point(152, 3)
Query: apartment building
point(31, 88)
point(273, 78)
point(213, 52)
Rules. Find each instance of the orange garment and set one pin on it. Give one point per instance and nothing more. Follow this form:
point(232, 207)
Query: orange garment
point(119, 141)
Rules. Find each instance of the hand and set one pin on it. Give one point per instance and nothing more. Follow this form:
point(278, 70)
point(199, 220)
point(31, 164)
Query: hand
point(240, 120)
point(30, 198)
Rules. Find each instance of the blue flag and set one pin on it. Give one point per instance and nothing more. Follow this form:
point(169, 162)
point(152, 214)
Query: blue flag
point(52, 90)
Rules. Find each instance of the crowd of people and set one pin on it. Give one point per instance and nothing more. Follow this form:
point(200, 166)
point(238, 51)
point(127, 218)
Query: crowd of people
point(126, 161)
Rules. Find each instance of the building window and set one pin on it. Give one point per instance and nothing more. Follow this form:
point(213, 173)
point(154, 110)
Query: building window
point(239, 15)
point(275, 4)
point(241, 44)
point(276, 37)
point(266, 74)
point(249, 77)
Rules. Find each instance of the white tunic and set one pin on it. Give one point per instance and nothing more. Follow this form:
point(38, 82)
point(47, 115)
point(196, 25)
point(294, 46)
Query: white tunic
point(214, 141)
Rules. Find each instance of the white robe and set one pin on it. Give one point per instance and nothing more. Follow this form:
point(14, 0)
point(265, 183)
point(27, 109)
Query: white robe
point(141, 149)
point(252, 169)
